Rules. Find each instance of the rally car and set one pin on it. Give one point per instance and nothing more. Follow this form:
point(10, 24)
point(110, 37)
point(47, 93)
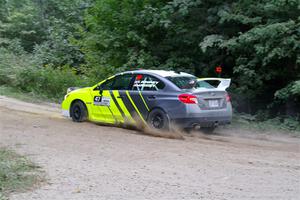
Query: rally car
point(155, 98)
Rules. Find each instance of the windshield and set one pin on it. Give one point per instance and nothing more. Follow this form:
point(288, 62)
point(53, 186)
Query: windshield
point(183, 82)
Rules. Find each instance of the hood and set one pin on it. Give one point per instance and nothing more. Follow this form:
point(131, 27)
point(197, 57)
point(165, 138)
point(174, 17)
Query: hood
point(77, 89)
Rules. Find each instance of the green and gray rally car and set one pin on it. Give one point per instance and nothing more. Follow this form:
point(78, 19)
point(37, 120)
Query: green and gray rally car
point(156, 98)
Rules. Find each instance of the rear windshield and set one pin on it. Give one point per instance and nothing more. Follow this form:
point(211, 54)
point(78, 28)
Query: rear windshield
point(183, 82)
point(204, 84)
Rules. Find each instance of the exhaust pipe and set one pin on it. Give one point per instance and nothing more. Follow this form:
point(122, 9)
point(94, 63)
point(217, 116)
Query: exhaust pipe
point(216, 124)
point(196, 126)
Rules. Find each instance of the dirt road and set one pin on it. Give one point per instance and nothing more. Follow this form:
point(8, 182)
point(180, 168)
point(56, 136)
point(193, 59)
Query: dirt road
point(88, 161)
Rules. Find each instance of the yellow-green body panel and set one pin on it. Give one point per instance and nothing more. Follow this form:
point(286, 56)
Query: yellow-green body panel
point(127, 118)
point(86, 95)
point(111, 114)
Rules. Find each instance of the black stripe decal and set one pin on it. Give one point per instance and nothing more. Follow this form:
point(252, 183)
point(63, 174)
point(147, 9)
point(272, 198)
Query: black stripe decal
point(140, 104)
point(117, 104)
point(128, 104)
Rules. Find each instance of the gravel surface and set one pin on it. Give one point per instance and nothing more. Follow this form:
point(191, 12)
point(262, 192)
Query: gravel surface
point(85, 161)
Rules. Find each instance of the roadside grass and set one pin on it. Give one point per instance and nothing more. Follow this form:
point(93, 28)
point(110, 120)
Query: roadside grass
point(282, 125)
point(27, 97)
point(17, 173)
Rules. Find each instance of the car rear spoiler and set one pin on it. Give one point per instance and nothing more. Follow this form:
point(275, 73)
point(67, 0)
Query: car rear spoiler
point(223, 85)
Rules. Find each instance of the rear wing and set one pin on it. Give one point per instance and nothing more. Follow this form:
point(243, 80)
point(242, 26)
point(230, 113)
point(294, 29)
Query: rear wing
point(223, 85)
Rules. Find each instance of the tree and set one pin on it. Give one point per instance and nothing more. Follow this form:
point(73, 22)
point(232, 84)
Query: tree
point(256, 42)
point(265, 51)
point(20, 22)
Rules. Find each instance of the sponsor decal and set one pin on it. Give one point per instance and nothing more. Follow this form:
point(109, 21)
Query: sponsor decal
point(145, 84)
point(101, 101)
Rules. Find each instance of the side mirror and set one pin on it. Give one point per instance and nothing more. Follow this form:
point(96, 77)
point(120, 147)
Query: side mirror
point(100, 89)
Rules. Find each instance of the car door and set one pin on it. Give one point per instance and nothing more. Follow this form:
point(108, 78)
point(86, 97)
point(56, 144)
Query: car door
point(101, 102)
point(108, 100)
point(117, 93)
point(144, 94)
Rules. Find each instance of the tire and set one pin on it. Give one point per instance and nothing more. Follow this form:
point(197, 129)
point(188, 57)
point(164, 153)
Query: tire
point(208, 130)
point(158, 120)
point(187, 130)
point(78, 111)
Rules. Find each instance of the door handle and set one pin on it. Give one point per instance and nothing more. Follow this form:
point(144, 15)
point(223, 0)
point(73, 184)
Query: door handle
point(120, 97)
point(151, 97)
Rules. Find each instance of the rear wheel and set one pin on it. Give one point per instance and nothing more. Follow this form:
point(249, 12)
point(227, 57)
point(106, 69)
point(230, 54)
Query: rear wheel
point(187, 130)
point(158, 120)
point(208, 130)
point(78, 112)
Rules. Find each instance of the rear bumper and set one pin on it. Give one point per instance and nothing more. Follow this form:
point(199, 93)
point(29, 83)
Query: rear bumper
point(201, 121)
point(193, 115)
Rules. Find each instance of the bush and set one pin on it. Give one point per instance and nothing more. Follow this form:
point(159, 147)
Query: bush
point(291, 124)
point(22, 71)
point(262, 121)
point(50, 82)
point(10, 63)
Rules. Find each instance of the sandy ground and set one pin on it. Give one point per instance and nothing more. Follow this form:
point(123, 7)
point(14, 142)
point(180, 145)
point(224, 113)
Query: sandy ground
point(88, 161)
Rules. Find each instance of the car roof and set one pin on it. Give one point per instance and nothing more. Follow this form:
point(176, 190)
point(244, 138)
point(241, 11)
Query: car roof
point(163, 73)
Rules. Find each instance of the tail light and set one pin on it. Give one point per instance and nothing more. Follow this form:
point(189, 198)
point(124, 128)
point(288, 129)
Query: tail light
point(228, 99)
point(188, 99)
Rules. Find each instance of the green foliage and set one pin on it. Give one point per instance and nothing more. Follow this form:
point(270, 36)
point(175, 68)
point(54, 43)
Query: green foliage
point(35, 50)
point(290, 123)
point(62, 19)
point(112, 41)
point(20, 21)
point(12, 60)
point(21, 70)
point(265, 49)
point(47, 81)
point(256, 123)
point(256, 42)
point(292, 90)
point(32, 97)
point(43, 27)
point(58, 52)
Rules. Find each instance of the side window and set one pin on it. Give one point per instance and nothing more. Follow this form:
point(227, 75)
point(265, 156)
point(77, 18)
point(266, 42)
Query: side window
point(107, 84)
point(122, 82)
point(144, 82)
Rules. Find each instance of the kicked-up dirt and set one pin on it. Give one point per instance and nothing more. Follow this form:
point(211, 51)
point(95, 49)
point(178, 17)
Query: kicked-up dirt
point(85, 161)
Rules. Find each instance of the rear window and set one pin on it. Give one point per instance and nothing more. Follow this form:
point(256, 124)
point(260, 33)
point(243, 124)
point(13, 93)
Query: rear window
point(183, 82)
point(204, 84)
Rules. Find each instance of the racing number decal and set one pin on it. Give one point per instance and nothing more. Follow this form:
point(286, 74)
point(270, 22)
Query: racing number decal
point(97, 99)
point(101, 101)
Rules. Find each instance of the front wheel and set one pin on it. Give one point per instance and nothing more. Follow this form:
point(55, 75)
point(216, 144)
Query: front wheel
point(158, 120)
point(78, 112)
